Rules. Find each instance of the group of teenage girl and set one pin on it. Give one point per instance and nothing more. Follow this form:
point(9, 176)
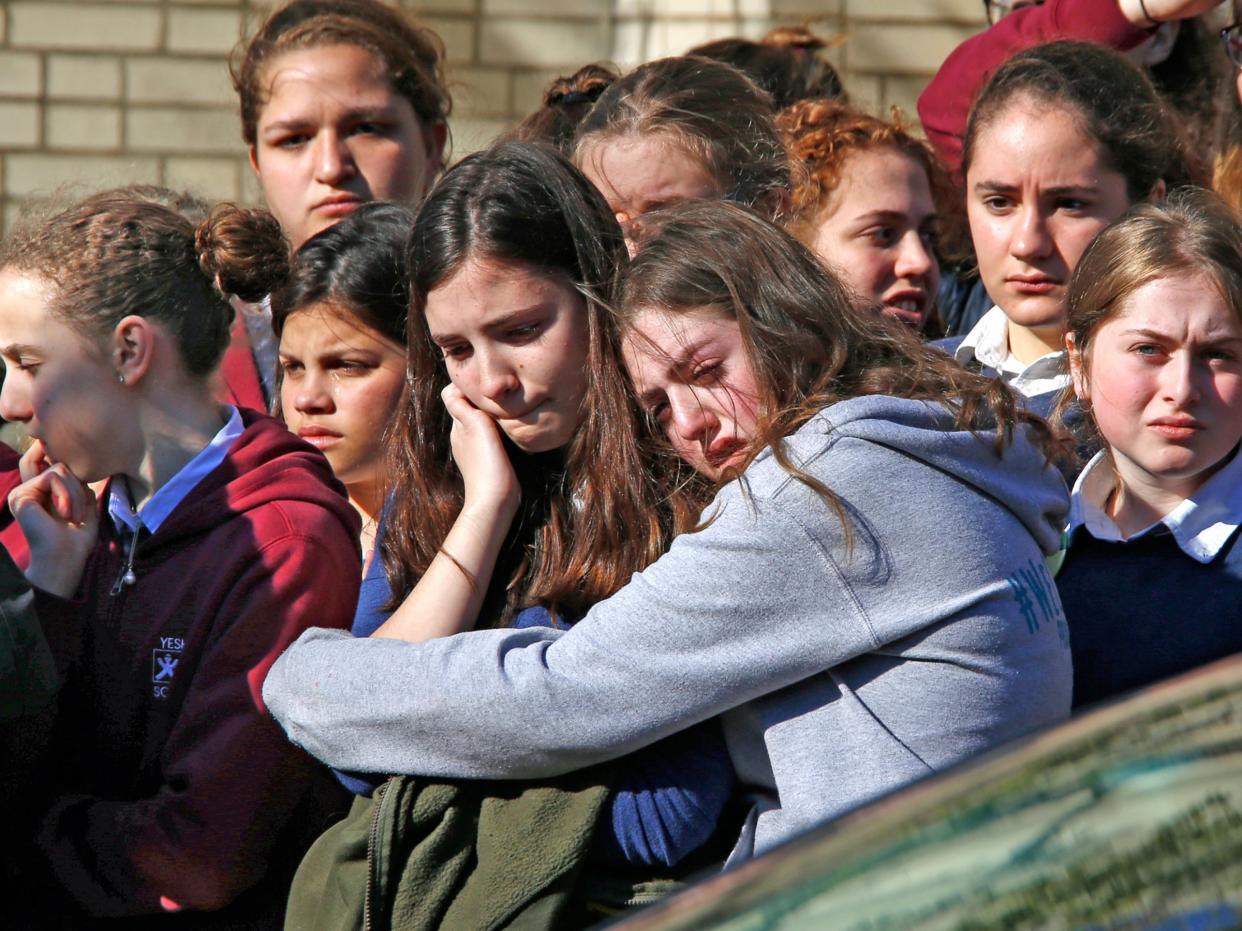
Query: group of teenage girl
point(639, 444)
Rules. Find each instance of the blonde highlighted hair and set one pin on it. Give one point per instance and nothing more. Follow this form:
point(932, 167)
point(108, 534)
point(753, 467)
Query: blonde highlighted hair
point(711, 111)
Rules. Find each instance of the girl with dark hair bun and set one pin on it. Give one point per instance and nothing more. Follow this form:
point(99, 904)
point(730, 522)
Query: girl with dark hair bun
point(1062, 141)
point(788, 63)
point(340, 321)
point(846, 651)
point(215, 538)
point(520, 494)
point(565, 103)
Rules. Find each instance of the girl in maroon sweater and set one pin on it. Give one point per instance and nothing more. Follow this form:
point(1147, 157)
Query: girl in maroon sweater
point(217, 540)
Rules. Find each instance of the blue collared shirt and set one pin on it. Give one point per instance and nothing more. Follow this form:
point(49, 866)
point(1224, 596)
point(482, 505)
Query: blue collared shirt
point(1200, 525)
point(161, 504)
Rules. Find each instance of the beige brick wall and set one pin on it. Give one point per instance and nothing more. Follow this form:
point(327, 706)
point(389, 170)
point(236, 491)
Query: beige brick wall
point(104, 92)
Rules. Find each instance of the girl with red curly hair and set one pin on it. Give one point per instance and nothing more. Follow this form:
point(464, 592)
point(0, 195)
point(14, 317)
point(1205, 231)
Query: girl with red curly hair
point(866, 200)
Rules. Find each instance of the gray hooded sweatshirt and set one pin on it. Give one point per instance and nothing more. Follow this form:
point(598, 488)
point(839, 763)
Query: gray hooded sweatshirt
point(840, 671)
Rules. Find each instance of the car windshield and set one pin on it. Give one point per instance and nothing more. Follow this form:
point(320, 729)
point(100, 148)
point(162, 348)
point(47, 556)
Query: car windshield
point(1130, 816)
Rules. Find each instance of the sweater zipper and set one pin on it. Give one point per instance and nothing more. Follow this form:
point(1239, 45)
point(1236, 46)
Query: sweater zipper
point(127, 576)
point(372, 867)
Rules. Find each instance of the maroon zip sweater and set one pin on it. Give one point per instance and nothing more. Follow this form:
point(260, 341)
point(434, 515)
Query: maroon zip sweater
point(173, 787)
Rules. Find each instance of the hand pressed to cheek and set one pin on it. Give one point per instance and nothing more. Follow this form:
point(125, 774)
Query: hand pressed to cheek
point(491, 484)
point(515, 341)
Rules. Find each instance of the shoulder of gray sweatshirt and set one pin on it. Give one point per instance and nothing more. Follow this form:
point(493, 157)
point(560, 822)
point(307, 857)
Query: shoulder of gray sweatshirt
point(840, 671)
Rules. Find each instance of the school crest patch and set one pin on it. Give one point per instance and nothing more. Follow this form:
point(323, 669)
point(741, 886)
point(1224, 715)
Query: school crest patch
point(164, 661)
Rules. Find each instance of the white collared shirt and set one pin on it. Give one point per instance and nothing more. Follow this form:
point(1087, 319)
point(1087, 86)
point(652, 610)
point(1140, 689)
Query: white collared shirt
point(157, 508)
point(988, 343)
point(1201, 524)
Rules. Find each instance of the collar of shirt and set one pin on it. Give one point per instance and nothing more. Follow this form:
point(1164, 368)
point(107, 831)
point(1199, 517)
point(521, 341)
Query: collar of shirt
point(988, 343)
point(152, 514)
point(1201, 524)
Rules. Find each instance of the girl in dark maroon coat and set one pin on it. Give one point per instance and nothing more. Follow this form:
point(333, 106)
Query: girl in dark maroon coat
point(216, 540)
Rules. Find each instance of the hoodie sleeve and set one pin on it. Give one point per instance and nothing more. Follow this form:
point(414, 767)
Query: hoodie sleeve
point(230, 778)
point(704, 628)
point(946, 101)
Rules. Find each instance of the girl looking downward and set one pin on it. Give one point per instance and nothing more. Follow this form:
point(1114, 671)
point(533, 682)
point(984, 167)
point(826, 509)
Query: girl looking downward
point(519, 492)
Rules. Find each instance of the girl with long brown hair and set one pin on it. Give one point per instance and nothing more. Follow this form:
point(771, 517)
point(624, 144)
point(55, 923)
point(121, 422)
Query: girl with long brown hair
point(519, 493)
point(811, 602)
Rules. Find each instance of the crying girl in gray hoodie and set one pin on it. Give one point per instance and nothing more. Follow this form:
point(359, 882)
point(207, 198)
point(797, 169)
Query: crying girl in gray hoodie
point(864, 600)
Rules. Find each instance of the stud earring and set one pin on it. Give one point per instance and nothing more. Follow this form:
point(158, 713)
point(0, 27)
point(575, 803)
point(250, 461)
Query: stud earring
point(120, 377)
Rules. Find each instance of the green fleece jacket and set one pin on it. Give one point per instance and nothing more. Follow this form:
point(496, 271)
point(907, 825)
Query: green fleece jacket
point(428, 855)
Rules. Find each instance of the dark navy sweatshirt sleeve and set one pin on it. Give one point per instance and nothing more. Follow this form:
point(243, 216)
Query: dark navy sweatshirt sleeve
point(668, 797)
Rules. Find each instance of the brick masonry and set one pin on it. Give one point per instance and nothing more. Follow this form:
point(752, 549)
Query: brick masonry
point(98, 92)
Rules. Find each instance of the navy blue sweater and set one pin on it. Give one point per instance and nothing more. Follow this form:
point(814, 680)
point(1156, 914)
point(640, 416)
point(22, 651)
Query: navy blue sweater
point(667, 798)
point(1142, 610)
